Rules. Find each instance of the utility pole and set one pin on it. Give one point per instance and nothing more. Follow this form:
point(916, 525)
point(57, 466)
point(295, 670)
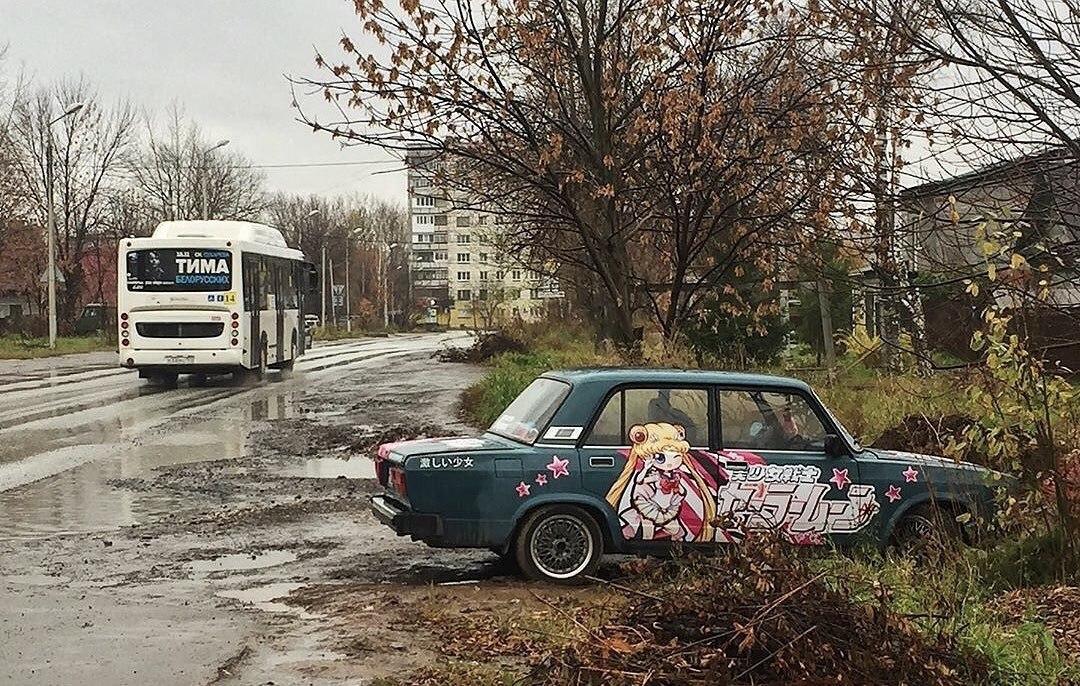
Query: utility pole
point(205, 177)
point(72, 109)
point(825, 308)
point(385, 281)
point(348, 292)
point(333, 305)
point(322, 283)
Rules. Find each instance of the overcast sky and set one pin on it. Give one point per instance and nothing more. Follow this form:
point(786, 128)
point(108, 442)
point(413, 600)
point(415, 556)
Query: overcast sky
point(223, 61)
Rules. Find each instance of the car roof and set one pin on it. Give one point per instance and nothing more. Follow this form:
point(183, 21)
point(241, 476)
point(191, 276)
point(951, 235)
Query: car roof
point(620, 375)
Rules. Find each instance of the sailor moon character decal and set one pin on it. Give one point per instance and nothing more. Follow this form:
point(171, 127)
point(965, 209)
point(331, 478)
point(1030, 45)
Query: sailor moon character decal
point(662, 492)
point(668, 492)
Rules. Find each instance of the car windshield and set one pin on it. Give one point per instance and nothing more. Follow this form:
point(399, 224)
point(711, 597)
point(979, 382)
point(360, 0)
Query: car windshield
point(530, 412)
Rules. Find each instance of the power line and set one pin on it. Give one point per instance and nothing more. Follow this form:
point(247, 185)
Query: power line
point(290, 165)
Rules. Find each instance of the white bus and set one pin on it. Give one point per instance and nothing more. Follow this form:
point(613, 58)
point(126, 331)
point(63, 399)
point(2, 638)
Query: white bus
point(210, 297)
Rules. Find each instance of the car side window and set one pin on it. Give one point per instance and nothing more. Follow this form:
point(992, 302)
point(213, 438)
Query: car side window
point(687, 407)
point(765, 420)
point(608, 427)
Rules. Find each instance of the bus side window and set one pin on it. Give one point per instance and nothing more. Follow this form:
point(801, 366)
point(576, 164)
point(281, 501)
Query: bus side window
point(250, 268)
point(288, 277)
point(266, 283)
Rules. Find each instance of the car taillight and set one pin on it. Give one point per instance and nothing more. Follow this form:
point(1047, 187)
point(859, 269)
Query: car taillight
point(123, 316)
point(397, 480)
point(235, 342)
point(125, 342)
point(123, 325)
point(235, 324)
point(235, 316)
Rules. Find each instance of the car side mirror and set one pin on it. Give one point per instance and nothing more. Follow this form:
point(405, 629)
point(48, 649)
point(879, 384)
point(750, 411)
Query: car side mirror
point(834, 446)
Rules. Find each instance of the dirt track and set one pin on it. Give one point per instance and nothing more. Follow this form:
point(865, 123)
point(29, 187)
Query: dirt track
point(155, 536)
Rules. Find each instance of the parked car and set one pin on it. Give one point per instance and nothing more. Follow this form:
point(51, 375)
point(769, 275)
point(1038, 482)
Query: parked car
point(634, 460)
point(95, 317)
point(311, 322)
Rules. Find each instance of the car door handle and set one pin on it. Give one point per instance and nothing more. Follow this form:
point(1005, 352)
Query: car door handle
point(601, 461)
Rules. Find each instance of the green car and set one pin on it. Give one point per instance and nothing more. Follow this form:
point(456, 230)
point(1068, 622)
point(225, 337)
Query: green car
point(590, 461)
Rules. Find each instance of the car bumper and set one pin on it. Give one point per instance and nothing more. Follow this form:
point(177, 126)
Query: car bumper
point(405, 522)
point(185, 359)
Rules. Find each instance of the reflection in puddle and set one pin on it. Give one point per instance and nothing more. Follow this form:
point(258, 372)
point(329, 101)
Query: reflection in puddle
point(242, 561)
point(73, 490)
point(263, 597)
point(332, 468)
point(278, 406)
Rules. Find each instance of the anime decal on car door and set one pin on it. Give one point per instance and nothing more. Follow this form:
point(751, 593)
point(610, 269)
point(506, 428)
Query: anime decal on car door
point(668, 492)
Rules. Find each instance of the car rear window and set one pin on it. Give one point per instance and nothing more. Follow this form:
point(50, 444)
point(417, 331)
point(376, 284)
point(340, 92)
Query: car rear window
point(523, 419)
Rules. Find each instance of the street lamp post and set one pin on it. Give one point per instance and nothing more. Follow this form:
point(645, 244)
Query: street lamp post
point(385, 291)
point(72, 109)
point(206, 180)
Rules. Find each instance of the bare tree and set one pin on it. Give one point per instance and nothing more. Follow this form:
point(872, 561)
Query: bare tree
point(648, 147)
point(12, 192)
point(180, 177)
point(90, 152)
point(350, 230)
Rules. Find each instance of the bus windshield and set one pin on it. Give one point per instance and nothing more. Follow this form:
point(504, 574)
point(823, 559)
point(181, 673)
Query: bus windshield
point(179, 269)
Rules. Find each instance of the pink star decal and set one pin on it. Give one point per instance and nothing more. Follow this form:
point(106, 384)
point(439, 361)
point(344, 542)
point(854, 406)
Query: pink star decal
point(840, 478)
point(541, 479)
point(522, 489)
point(558, 467)
point(893, 493)
point(911, 475)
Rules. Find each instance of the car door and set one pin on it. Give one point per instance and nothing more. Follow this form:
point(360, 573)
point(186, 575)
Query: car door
point(778, 475)
point(647, 454)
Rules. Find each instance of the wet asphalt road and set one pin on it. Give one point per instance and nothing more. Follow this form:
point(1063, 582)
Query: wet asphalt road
point(146, 533)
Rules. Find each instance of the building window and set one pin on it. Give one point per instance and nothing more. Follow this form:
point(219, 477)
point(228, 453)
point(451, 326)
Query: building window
point(516, 275)
point(481, 220)
point(424, 200)
point(464, 220)
point(463, 257)
point(440, 256)
point(440, 219)
point(483, 257)
point(500, 275)
point(464, 276)
point(422, 219)
point(464, 294)
point(424, 237)
point(463, 238)
point(483, 276)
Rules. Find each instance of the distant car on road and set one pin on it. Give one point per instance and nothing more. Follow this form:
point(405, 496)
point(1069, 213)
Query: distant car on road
point(311, 322)
point(634, 460)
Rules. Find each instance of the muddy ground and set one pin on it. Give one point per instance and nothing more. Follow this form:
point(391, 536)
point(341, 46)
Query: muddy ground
point(220, 534)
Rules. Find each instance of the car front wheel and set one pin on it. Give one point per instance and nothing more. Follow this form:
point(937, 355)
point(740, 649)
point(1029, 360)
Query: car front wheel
point(560, 544)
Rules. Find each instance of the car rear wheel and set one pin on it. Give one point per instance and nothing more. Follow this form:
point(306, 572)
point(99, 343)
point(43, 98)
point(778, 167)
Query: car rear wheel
point(927, 532)
point(559, 543)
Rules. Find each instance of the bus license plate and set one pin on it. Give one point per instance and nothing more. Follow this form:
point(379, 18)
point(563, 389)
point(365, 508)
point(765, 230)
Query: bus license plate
point(180, 359)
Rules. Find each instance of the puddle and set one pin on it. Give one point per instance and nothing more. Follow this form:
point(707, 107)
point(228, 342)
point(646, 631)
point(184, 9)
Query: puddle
point(275, 407)
point(242, 561)
point(332, 468)
point(35, 580)
point(264, 598)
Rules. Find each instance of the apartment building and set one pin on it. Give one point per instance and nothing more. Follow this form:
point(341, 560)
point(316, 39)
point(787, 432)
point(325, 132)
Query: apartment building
point(455, 261)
